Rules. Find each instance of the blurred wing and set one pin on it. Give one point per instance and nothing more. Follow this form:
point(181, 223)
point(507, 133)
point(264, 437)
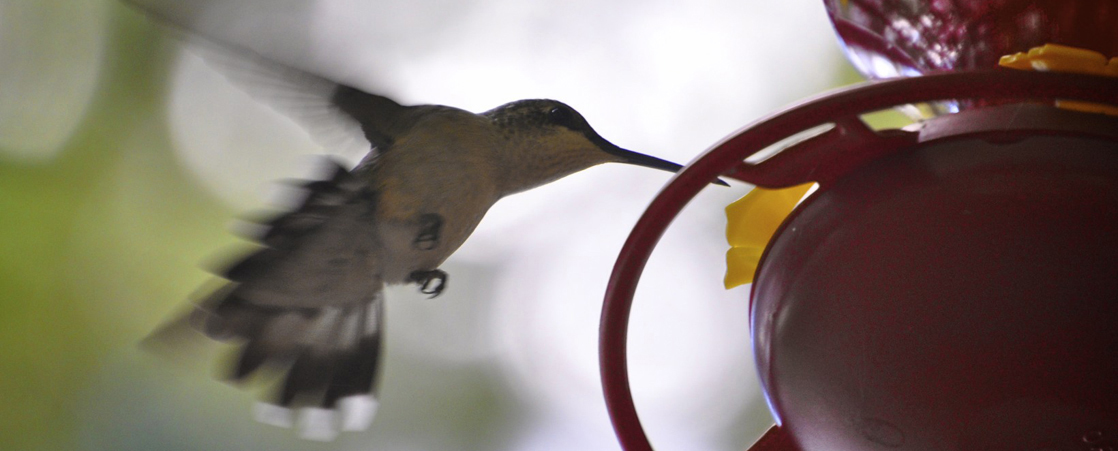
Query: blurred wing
point(341, 118)
point(324, 253)
point(309, 303)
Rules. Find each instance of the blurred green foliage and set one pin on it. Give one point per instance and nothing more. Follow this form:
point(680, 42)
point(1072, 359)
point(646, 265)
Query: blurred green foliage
point(93, 239)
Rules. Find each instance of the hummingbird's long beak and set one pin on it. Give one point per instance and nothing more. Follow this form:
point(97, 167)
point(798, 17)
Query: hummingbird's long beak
point(640, 159)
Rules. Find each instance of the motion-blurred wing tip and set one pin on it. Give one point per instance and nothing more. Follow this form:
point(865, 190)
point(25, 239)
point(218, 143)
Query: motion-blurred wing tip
point(353, 413)
point(318, 424)
point(357, 412)
point(274, 415)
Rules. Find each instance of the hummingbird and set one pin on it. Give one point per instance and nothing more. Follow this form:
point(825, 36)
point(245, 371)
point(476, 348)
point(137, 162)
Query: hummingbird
point(308, 301)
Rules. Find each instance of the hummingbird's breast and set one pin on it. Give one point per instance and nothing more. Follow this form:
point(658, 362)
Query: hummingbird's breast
point(445, 170)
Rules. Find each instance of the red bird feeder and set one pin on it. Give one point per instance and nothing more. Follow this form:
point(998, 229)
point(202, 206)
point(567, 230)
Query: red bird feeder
point(949, 286)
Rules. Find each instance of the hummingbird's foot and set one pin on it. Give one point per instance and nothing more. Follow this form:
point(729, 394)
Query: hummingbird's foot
point(425, 279)
point(430, 226)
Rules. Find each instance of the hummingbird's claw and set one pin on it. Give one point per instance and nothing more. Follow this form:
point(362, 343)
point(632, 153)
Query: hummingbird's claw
point(425, 279)
point(430, 225)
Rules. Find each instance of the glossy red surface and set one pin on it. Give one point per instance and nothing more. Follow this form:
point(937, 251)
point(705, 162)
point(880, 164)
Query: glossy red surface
point(959, 295)
point(884, 38)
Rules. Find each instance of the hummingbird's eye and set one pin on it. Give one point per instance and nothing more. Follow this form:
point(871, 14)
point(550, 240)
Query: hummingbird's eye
point(561, 116)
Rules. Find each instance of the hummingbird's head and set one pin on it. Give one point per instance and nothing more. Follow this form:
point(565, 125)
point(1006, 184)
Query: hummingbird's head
point(551, 140)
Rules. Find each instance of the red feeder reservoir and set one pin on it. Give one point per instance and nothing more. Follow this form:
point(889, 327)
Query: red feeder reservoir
point(949, 286)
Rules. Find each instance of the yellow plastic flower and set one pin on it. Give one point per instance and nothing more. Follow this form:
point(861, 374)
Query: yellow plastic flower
point(1061, 58)
point(751, 222)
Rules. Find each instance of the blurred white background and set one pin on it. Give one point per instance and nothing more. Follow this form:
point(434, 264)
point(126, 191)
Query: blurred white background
point(506, 358)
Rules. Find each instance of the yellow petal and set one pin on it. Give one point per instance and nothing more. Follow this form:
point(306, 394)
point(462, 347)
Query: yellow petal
point(1061, 58)
point(751, 222)
point(741, 264)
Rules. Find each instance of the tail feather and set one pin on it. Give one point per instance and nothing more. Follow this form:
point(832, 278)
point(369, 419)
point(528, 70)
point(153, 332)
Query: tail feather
point(276, 343)
point(232, 319)
point(343, 364)
point(356, 375)
point(307, 378)
point(253, 356)
point(330, 356)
